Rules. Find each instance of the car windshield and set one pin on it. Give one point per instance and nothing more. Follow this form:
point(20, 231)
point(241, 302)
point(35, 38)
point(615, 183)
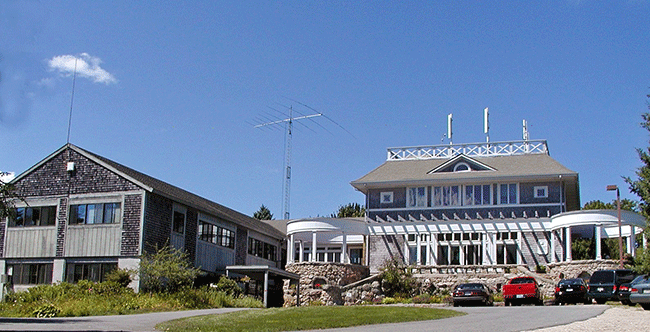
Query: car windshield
point(571, 282)
point(522, 281)
point(642, 279)
point(602, 277)
point(470, 286)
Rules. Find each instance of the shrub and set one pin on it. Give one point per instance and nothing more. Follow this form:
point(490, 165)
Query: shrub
point(228, 286)
point(396, 280)
point(166, 270)
point(46, 311)
point(120, 276)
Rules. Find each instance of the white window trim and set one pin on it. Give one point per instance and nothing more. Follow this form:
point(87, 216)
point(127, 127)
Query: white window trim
point(536, 188)
point(183, 210)
point(499, 193)
point(388, 194)
point(416, 205)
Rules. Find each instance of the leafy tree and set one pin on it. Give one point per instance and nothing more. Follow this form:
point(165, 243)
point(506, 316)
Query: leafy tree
point(166, 270)
point(626, 204)
point(7, 196)
point(641, 187)
point(586, 248)
point(350, 210)
point(263, 213)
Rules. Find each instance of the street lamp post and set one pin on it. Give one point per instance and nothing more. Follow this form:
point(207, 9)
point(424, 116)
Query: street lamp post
point(620, 235)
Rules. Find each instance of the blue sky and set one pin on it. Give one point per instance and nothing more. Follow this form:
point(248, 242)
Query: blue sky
point(172, 88)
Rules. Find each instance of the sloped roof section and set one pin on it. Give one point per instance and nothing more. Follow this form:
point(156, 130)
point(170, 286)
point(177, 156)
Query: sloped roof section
point(182, 196)
point(523, 167)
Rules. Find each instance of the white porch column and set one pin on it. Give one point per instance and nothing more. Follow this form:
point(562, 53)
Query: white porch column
point(428, 260)
point(301, 252)
point(344, 250)
point(567, 245)
point(493, 248)
point(434, 249)
point(520, 244)
point(58, 270)
point(645, 241)
point(418, 252)
point(292, 249)
point(407, 253)
point(366, 254)
point(630, 241)
point(597, 236)
point(553, 240)
point(313, 247)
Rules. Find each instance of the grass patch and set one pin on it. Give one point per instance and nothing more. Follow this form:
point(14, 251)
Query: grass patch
point(108, 298)
point(305, 318)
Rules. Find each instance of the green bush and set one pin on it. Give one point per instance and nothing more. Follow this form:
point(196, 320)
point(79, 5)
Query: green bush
point(120, 276)
point(46, 311)
point(167, 270)
point(396, 280)
point(228, 286)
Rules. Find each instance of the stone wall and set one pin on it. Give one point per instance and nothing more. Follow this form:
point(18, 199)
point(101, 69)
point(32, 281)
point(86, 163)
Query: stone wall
point(339, 287)
point(322, 282)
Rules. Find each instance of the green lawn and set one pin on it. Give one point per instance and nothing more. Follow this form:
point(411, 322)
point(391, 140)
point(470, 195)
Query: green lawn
point(305, 318)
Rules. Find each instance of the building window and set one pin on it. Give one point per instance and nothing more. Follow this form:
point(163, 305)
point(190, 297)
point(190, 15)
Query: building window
point(446, 196)
point(262, 249)
point(31, 274)
point(462, 167)
point(508, 193)
point(216, 235)
point(416, 197)
point(88, 271)
point(386, 197)
point(34, 216)
point(477, 195)
point(506, 254)
point(178, 223)
point(507, 236)
point(102, 213)
point(540, 192)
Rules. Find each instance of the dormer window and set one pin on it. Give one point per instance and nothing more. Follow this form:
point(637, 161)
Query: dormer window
point(462, 167)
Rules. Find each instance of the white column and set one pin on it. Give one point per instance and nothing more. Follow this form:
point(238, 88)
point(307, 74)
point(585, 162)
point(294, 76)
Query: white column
point(567, 244)
point(434, 249)
point(344, 250)
point(428, 260)
point(301, 251)
point(645, 241)
point(553, 240)
point(266, 289)
point(418, 252)
point(407, 252)
point(597, 235)
point(58, 270)
point(630, 241)
point(313, 246)
point(493, 244)
point(520, 253)
point(366, 254)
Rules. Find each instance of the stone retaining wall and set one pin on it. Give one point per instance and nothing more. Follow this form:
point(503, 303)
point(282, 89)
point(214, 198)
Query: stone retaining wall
point(369, 291)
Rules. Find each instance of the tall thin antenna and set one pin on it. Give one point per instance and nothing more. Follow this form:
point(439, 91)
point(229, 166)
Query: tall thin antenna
point(449, 131)
point(287, 174)
point(486, 124)
point(74, 78)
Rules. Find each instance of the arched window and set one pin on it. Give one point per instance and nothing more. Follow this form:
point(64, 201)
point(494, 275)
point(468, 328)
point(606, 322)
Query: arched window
point(462, 167)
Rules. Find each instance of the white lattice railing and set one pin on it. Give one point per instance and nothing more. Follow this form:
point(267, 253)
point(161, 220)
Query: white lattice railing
point(490, 149)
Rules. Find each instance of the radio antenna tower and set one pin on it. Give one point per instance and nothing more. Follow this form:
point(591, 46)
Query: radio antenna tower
point(287, 175)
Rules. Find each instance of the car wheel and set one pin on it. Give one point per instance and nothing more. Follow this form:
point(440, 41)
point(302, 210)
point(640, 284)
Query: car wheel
point(455, 304)
point(601, 301)
point(588, 301)
point(507, 303)
point(626, 302)
point(645, 306)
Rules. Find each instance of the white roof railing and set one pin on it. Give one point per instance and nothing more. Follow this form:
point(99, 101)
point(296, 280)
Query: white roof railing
point(489, 149)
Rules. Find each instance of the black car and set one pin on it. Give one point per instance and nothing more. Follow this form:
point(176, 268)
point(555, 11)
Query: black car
point(625, 289)
point(604, 284)
point(571, 291)
point(472, 293)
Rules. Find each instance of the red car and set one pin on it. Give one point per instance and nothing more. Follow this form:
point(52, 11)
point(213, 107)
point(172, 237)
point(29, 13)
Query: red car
point(522, 290)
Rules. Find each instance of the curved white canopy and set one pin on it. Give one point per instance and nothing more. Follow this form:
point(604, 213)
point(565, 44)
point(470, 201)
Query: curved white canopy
point(339, 225)
point(606, 218)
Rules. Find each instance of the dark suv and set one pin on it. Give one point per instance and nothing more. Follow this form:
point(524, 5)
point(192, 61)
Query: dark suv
point(604, 284)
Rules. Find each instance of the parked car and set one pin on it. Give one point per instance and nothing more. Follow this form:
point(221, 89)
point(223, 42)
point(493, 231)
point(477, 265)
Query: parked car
point(604, 284)
point(521, 290)
point(472, 293)
point(571, 291)
point(625, 290)
point(640, 292)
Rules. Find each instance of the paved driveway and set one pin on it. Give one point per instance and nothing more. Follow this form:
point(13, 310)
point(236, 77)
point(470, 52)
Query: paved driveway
point(502, 319)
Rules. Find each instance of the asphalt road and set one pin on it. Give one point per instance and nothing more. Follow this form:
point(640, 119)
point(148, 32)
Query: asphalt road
point(502, 319)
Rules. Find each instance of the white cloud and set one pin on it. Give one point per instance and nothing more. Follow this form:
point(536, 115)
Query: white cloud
point(7, 176)
point(87, 66)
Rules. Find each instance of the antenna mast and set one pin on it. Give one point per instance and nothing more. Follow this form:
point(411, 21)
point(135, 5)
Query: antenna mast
point(74, 78)
point(486, 124)
point(287, 175)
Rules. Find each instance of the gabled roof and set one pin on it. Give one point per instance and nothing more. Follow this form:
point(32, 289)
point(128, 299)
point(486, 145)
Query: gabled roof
point(165, 189)
point(449, 165)
point(505, 168)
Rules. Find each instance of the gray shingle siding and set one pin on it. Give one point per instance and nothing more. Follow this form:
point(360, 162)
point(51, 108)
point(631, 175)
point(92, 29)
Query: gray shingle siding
point(158, 216)
point(130, 245)
point(383, 248)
